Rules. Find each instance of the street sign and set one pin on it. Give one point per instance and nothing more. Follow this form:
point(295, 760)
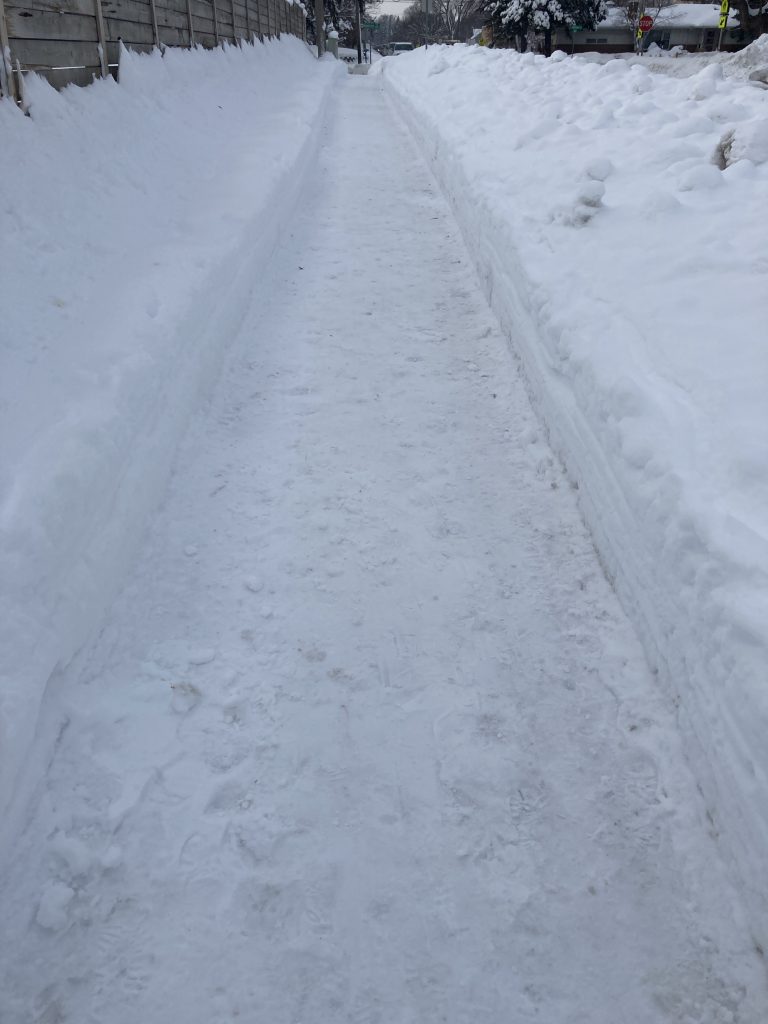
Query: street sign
point(646, 23)
point(723, 21)
point(371, 25)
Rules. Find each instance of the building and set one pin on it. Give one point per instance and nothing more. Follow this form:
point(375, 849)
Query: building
point(694, 26)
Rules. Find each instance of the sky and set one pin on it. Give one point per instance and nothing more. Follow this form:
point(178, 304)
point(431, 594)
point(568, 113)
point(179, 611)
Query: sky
point(394, 7)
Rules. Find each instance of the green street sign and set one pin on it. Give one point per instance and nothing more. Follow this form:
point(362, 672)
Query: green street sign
point(370, 24)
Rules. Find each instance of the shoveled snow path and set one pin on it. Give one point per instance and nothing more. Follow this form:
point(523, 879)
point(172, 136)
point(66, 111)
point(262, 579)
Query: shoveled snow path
point(367, 737)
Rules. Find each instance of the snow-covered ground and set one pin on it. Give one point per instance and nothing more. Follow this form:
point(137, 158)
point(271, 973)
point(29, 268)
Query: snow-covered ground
point(133, 220)
point(617, 221)
point(683, 64)
point(366, 736)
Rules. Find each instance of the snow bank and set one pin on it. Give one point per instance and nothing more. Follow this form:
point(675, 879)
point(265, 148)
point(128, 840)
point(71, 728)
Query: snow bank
point(629, 270)
point(748, 63)
point(134, 220)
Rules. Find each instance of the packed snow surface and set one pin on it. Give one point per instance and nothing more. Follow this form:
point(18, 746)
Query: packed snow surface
point(365, 737)
point(617, 219)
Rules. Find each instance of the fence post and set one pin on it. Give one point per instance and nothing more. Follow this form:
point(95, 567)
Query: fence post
point(155, 33)
point(191, 24)
point(248, 33)
point(7, 83)
point(101, 31)
point(258, 20)
point(320, 26)
point(234, 22)
point(215, 22)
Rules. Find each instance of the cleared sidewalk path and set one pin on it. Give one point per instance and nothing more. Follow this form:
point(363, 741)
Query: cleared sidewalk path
point(367, 738)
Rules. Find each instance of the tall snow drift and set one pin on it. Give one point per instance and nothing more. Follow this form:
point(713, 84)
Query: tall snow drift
point(122, 269)
point(629, 270)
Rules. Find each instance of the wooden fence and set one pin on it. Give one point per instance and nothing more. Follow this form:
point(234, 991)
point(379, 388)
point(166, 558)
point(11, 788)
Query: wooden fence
point(78, 40)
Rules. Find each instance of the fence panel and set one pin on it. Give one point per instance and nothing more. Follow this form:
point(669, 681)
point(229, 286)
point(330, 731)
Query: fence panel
point(224, 17)
point(204, 22)
point(240, 20)
point(73, 41)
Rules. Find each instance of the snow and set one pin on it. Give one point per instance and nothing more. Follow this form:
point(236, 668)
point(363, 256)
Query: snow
point(365, 735)
point(677, 63)
point(629, 271)
point(127, 242)
point(694, 15)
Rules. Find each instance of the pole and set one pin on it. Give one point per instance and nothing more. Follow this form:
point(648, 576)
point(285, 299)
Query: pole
point(320, 27)
point(101, 32)
point(191, 24)
point(359, 32)
point(7, 82)
point(724, 8)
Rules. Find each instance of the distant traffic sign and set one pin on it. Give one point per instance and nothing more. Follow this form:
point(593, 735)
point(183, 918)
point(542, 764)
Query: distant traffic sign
point(370, 24)
point(646, 23)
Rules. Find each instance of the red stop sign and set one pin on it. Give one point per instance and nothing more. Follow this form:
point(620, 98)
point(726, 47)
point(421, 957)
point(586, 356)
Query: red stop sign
point(646, 23)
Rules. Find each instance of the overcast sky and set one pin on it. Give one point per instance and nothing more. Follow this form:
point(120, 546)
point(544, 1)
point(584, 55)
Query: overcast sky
point(395, 7)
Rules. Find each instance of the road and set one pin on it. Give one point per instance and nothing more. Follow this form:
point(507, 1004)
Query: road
point(366, 738)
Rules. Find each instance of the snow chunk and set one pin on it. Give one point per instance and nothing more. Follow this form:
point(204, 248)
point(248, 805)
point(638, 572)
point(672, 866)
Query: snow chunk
point(599, 169)
point(703, 177)
point(705, 83)
point(52, 913)
point(747, 141)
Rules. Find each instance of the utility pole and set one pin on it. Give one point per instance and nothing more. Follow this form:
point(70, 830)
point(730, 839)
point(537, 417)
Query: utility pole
point(320, 27)
point(359, 31)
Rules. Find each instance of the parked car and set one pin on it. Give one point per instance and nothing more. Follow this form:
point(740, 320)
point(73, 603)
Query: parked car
point(392, 49)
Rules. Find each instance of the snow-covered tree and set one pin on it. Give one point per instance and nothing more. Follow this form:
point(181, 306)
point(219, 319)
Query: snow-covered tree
point(341, 16)
point(753, 17)
point(520, 21)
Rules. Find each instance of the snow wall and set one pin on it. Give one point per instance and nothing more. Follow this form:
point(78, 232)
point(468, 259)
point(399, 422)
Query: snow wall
point(614, 220)
point(135, 219)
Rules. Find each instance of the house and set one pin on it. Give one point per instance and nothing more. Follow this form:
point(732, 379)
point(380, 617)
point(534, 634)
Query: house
point(694, 26)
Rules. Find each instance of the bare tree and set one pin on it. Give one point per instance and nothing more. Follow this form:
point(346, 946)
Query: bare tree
point(413, 24)
point(633, 10)
point(452, 15)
